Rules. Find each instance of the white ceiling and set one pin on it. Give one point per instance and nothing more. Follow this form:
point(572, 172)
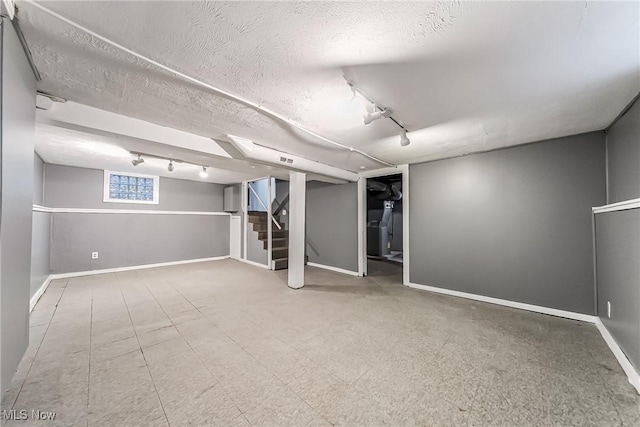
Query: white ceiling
point(462, 77)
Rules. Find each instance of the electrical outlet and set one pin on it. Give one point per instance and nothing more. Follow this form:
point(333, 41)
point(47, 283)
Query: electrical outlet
point(94, 255)
point(284, 212)
point(609, 309)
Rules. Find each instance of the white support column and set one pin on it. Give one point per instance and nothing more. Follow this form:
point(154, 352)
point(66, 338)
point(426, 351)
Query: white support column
point(269, 225)
point(297, 212)
point(362, 229)
point(245, 217)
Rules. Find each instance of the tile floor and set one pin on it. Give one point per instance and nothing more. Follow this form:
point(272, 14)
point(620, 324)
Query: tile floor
point(224, 343)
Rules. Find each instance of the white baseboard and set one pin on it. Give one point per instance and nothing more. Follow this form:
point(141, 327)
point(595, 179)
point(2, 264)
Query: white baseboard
point(134, 267)
point(336, 269)
point(632, 374)
point(255, 264)
point(36, 297)
point(507, 303)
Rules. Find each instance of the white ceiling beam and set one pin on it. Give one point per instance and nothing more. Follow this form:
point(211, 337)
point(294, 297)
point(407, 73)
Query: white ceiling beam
point(73, 115)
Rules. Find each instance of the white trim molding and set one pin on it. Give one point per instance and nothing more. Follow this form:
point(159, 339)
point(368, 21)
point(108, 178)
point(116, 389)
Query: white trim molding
point(36, 297)
point(134, 267)
point(336, 269)
point(620, 206)
point(522, 306)
point(632, 374)
point(37, 208)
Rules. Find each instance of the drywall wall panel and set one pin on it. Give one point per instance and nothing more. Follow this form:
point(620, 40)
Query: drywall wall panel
point(17, 140)
point(255, 248)
point(40, 250)
point(332, 224)
point(123, 240)
point(38, 180)
point(71, 187)
point(41, 231)
point(282, 191)
point(512, 224)
point(618, 277)
point(623, 155)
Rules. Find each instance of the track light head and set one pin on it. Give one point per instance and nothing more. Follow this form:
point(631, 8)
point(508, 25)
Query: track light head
point(376, 114)
point(203, 172)
point(137, 161)
point(170, 168)
point(404, 141)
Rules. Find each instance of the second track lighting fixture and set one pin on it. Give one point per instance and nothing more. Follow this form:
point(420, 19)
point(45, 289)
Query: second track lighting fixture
point(172, 160)
point(137, 161)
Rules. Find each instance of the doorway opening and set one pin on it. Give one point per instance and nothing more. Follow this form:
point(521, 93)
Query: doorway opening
point(384, 227)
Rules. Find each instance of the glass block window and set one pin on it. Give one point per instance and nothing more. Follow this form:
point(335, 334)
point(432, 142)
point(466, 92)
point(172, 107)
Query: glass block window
point(130, 188)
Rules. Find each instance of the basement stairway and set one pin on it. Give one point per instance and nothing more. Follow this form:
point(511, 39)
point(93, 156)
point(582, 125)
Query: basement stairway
point(279, 239)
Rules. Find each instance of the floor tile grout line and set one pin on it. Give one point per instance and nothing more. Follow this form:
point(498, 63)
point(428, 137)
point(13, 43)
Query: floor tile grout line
point(193, 351)
point(142, 351)
point(39, 345)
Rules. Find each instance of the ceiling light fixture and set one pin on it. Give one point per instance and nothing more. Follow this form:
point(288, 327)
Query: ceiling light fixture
point(375, 112)
point(172, 160)
point(404, 141)
point(137, 161)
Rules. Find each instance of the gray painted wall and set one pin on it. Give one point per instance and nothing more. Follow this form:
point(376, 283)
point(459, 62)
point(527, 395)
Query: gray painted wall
point(40, 250)
point(618, 275)
point(332, 224)
point(134, 239)
point(255, 248)
point(41, 231)
point(623, 153)
point(130, 239)
point(512, 224)
point(17, 140)
point(38, 180)
point(282, 191)
point(70, 187)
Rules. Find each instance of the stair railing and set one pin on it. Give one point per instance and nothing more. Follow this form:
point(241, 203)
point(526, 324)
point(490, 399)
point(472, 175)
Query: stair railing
point(265, 207)
point(281, 205)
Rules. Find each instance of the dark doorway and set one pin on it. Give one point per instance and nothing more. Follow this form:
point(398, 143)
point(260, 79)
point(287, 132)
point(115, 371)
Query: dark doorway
point(384, 226)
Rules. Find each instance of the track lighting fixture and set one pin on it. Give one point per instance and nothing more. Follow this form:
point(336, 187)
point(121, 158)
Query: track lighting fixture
point(404, 141)
point(171, 167)
point(375, 113)
point(137, 161)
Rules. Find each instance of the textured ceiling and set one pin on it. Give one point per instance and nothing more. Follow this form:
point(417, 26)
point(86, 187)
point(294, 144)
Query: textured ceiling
point(461, 76)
